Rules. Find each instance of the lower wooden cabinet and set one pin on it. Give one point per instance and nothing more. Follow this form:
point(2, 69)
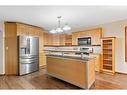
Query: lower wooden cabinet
point(97, 61)
point(42, 59)
point(78, 72)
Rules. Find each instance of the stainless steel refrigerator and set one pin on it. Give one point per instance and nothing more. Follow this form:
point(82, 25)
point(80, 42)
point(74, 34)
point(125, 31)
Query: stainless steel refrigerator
point(28, 54)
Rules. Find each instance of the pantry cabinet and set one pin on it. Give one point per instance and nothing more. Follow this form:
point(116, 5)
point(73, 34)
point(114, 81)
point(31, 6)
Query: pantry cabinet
point(108, 55)
point(12, 30)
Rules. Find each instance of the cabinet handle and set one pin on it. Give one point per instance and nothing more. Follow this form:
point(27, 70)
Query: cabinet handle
point(6, 48)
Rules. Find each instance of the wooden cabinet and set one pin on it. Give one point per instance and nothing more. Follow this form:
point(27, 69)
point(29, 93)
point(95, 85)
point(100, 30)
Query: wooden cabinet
point(68, 39)
point(97, 61)
point(57, 39)
point(48, 39)
point(78, 72)
point(65, 39)
point(108, 54)
point(12, 30)
point(62, 39)
point(42, 58)
point(11, 66)
point(95, 35)
point(51, 39)
point(23, 29)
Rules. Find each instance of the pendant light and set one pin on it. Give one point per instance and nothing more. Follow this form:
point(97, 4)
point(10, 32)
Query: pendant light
point(60, 29)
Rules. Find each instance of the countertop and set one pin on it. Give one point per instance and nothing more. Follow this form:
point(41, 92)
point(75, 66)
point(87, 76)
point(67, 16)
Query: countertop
point(68, 45)
point(73, 57)
point(66, 51)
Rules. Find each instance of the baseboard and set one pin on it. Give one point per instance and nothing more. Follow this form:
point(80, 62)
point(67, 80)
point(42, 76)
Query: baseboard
point(42, 67)
point(2, 74)
point(121, 73)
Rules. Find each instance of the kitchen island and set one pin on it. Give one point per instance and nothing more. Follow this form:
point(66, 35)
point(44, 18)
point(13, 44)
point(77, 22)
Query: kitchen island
point(77, 70)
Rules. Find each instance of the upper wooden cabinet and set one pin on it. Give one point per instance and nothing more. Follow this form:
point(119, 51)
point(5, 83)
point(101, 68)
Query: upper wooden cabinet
point(48, 39)
point(65, 39)
point(95, 35)
point(57, 39)
point(23, 29)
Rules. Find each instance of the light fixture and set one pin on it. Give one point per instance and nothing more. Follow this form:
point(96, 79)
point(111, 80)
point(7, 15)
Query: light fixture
point(60, 29)
point(66, 27)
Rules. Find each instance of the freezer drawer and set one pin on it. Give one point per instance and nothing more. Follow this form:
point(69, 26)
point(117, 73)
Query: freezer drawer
point(28, 60)
point(25, 68)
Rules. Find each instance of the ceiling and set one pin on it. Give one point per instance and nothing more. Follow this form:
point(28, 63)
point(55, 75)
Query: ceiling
point(78, 17)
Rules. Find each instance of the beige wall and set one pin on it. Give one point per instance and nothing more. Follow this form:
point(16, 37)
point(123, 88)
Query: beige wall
point(117, 29)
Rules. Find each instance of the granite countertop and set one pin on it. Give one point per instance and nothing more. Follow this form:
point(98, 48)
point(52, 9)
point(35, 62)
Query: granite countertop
point(73, 57)
point(65, 51)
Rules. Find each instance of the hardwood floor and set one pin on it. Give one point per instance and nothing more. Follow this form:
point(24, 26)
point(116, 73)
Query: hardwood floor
point(38, 80)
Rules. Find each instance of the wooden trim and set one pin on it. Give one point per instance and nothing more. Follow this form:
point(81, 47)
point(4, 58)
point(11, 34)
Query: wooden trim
point(42, 67)
point(2, 74)
point(88, 29)
point(24, 24)
point(107, 37)
point(121, 73)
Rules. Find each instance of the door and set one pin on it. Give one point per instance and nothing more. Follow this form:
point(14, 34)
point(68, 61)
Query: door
point(33, 46)
point(28, 45)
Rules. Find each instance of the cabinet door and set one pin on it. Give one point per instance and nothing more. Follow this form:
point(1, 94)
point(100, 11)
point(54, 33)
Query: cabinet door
point(74, 38)
point(68, 39)
point(62, 39)
point(56, 39)
point(34, 31)
point(96, 35)
point(22, 29)
point(11, 66)
point(48, 39)
point(42, 59)
point(30, 30)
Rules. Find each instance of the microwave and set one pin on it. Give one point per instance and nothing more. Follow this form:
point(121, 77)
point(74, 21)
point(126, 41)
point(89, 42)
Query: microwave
point(84, 41)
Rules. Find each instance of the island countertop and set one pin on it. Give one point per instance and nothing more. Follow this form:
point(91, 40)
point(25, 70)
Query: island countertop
point(73, 57)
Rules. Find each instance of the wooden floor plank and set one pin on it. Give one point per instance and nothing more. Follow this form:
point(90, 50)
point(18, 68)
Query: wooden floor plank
point(39, 80)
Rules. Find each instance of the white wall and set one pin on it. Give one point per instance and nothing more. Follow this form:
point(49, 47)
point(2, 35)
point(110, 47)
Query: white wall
point(1, 49)
point(117, 29)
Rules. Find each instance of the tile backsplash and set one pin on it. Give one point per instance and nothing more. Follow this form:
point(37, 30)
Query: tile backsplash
point(96, 49)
